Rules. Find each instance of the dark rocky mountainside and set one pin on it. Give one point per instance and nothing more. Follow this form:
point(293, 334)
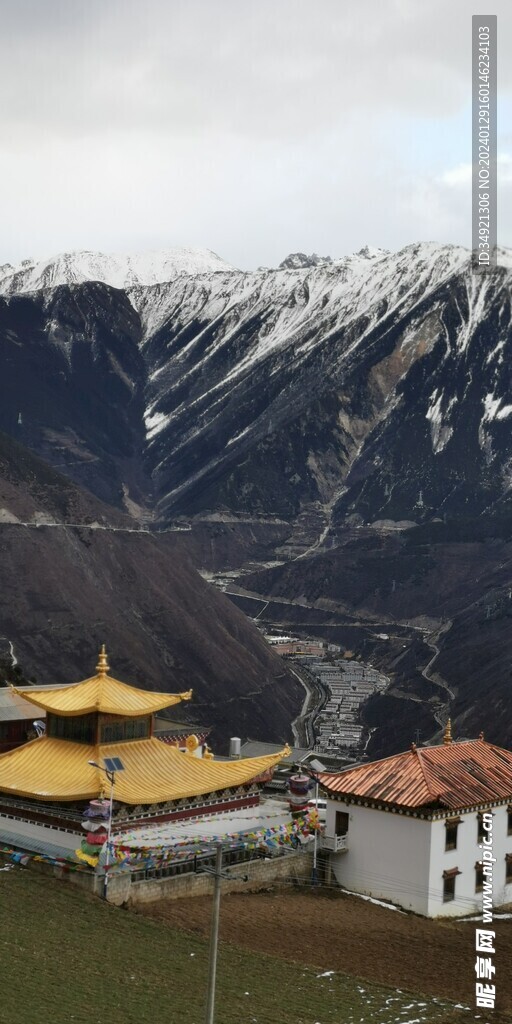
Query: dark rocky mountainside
point(67, 588)
point(72, 381)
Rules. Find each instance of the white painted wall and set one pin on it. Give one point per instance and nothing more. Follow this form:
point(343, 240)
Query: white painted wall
point(402, 859)
point(388, 855)
point(464, 858)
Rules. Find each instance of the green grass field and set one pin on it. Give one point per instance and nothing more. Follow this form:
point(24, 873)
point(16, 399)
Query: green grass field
point(66, 956)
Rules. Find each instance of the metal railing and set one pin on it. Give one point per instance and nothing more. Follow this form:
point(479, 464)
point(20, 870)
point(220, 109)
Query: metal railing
point(335, 844)
point(193, 864)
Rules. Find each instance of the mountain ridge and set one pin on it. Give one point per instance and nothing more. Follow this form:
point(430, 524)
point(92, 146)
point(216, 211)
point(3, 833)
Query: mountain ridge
point(116, 269)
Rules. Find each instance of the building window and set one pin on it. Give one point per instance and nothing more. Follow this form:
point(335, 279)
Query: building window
point(449, 884)
point(341, 823)
point(509, 820)
point(508, 869)
point(451, 826)
point(479, 876)
point(481, 831)
point(118, 730)
point(77, 728)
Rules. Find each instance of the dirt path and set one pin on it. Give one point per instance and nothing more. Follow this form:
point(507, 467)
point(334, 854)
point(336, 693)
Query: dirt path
point(343, 933)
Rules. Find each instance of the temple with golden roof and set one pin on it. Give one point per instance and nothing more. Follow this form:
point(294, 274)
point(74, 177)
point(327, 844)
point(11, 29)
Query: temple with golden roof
point(51, 778)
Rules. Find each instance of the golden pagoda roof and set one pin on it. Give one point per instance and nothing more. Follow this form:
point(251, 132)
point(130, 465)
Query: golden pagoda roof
point(101, 693)
point(58, 770)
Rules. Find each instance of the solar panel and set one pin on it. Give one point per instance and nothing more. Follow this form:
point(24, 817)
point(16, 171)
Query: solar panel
point(113, 764)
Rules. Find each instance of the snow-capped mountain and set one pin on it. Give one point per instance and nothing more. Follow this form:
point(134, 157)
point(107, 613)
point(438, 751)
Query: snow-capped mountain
point(299, 260)
point(119, 271)
point(270, 390)
point(277, 391)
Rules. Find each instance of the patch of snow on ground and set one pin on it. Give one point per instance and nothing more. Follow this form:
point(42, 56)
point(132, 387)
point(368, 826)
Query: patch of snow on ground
point(491, 407)
point(504, 413)
point(441, 432)
point(371, 899)
point(155, 422)
point(478, 917)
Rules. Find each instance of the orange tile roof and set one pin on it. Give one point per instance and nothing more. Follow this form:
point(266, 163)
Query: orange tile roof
point(454, 775)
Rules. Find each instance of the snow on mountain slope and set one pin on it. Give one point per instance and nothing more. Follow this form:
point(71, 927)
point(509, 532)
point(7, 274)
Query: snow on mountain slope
point(347, 286)
point(227, 352)
point(117, 270)
point(265, 389)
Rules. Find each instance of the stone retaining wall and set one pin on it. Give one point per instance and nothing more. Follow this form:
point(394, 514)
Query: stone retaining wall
point(246, 877)
point(250, 876)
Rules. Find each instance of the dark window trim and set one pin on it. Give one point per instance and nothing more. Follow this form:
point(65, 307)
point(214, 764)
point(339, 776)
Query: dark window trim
point(479, 876)
point(481, 831)
point(509, 820)
point(449, 878)
point(508, 868)
point(451, 872)
point(451, 824)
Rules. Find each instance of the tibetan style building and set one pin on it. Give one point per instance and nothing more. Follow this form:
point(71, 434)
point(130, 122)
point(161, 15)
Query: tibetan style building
point(414, 828)
point(49, 780)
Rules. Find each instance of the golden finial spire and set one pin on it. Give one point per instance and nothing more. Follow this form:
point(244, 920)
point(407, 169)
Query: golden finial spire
point(447, 738)
point(103, 666)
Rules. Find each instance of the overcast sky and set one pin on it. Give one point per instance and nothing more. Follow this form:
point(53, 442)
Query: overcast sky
point(251, 127)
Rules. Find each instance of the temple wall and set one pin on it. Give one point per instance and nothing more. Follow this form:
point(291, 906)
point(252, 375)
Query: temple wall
point(294, 865)
point(259, 873)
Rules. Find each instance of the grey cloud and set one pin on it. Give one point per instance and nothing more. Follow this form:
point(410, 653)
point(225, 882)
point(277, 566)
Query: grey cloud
point(258, 68)
point(254, 127)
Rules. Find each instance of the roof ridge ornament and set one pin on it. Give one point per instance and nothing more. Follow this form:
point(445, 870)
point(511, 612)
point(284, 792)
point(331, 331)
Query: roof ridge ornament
point(447, 738)
point(103, 666)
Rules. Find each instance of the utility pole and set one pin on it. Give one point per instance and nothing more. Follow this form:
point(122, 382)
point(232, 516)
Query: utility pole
point(218, 875)
point(214, 937)
point(314, 877)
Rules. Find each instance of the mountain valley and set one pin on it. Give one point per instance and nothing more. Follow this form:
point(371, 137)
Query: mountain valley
point(333, 435)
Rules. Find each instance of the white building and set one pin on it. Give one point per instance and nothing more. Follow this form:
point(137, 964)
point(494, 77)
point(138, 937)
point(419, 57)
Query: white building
point(415, 828)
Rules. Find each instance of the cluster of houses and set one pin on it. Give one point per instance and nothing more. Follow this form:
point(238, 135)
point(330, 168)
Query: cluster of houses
point(288, 646)
point(348, 683)
point(337, 726)
point(428, 829)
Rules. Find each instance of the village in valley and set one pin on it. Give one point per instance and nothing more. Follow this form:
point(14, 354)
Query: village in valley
point(332, 723)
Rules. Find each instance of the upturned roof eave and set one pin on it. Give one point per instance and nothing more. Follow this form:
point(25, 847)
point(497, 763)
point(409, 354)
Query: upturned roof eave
point(155, 701)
